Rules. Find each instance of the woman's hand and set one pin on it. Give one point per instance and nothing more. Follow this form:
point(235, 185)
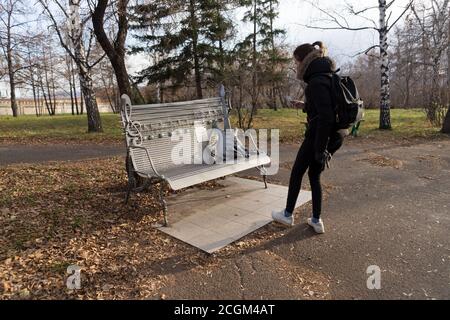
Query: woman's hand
point(298, 104)
point(323, 158)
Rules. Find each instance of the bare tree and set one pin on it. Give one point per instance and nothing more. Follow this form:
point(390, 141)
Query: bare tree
point(11, 39)
point(433, 21)
point(74, 84)
point(31, 77)
point(383, 27)
point(48, 79)
point(72, 39)
point(109, 86)
point(105, 79)
point(68, 74)
point(367, 74)
point(406, 67)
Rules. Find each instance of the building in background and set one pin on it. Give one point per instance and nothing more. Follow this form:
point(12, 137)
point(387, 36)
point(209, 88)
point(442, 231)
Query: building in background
point(4, 89)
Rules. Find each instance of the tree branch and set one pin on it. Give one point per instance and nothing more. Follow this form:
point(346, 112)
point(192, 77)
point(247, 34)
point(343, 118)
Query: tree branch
point(58, 32)
point(390, 4)
point(337, 28)
point(340, 26)
point(367, 50)
point(357, 13)
point(61, 7)
point(99, 30)
point(98, 60)
point(401, 15)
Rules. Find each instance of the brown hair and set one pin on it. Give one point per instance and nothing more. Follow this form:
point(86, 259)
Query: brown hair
point(303, 50)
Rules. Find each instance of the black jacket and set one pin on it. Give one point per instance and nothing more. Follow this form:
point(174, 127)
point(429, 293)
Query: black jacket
point(319, 106)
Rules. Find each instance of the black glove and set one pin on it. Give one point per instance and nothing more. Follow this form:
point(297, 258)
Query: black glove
point(323, 158)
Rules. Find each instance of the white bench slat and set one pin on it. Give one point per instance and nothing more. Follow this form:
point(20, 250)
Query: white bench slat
point(213, 172)
point(187, 175)
point(180, 103)
point(178, 108)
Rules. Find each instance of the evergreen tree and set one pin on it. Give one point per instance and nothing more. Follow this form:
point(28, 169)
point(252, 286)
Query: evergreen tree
point(188, 37)
point(219, 33)
point(265, 60)
point(273, 59)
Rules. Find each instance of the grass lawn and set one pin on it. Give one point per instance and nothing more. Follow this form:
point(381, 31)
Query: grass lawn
point(407, 124)
point(59, 128)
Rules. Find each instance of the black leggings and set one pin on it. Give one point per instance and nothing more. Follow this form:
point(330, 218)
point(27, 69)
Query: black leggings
point(305, 159)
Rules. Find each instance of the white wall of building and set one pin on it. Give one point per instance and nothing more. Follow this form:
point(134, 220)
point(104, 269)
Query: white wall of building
point(26, 106)
point(4, 89)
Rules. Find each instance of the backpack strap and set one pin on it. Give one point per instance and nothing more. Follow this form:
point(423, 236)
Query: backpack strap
point(333, 93)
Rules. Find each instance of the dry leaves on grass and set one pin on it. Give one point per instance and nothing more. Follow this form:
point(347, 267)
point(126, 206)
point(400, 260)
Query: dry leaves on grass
point(59, 214)
point(48, 140)
point(55, 215)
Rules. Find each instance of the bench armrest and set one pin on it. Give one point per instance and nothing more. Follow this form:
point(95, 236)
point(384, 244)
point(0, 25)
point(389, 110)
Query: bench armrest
point(149, 159)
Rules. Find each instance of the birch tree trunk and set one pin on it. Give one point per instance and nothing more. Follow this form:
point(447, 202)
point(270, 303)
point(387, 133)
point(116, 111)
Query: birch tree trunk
point(93, 115)
point(385, 112)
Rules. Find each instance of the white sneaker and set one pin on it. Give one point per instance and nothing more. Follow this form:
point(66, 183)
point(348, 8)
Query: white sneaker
point(279, 216)
point(318, 226)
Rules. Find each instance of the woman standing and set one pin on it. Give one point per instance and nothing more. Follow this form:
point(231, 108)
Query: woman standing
point(321, 138)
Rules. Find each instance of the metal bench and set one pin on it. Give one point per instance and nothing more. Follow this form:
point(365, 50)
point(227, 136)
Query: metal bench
point(149, 134)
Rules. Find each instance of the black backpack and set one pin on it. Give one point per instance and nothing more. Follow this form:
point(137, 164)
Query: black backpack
point(349, 107)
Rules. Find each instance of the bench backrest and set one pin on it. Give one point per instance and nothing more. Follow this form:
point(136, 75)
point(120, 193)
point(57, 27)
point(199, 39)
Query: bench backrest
point(152, 125)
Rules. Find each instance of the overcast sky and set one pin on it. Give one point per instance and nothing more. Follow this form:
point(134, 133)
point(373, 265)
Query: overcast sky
point(342, 44)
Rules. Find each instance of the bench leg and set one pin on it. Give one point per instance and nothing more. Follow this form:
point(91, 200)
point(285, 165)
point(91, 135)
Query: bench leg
point(163, 203)
point(127, 197)
point(131, 178)
point(130, 187)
